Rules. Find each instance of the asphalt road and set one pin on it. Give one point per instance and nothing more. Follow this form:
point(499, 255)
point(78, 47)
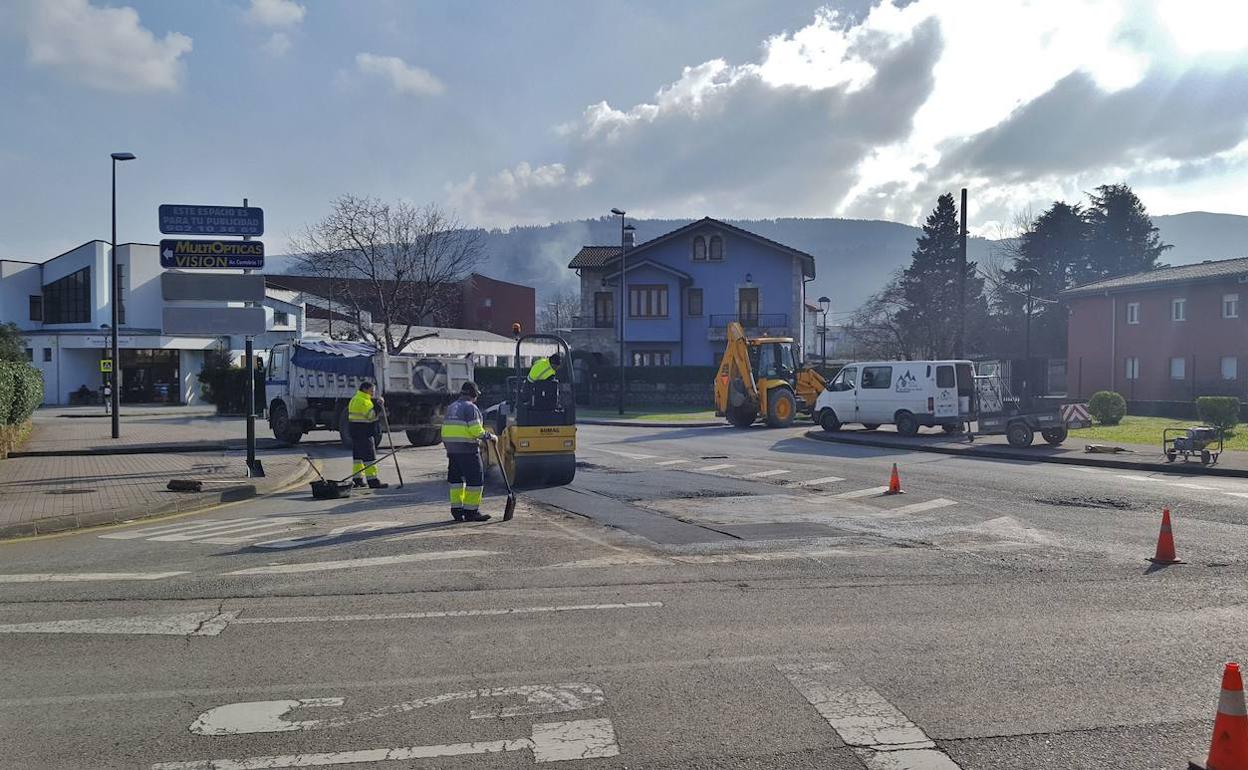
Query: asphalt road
point(698, 598)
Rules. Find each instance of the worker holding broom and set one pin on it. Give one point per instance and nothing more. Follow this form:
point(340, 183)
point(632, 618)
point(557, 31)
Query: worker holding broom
point(362, 427)
point(461, 432)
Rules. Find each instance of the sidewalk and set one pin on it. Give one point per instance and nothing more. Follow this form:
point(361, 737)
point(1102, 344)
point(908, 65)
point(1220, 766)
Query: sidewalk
point(1139, 458)
point(51, 494)
point(144, 429)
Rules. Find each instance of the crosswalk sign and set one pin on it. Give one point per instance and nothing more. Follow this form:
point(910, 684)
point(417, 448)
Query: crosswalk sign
point(106, 365)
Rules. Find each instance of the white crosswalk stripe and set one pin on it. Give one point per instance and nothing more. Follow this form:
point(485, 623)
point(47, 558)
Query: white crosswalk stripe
point(219, 532)
point(869, 491)
point(671, 462)
point(816, 482)
point(720, 467)
point(765, 474)
point(927, 505)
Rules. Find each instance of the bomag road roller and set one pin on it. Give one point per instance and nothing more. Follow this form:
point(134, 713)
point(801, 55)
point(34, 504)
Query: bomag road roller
point(758, 378)
point(536, 424)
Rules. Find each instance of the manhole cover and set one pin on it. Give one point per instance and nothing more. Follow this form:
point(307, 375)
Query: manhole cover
point(70, 491)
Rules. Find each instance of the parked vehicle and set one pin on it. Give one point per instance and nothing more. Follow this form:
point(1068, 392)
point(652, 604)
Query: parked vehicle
point(309, 383)
point(758, 378)
point(1020, 418)
point(907, 394)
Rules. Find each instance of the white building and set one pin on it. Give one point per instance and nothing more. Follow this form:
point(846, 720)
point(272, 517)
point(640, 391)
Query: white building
point(62, 307)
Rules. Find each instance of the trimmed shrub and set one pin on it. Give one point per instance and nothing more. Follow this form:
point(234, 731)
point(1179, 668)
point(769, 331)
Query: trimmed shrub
point(8, 385)
point(21, 392)
point(1107, 407)
point(1219, 411)
point(225, 385)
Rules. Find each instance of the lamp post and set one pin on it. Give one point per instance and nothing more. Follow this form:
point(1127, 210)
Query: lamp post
point(1030, 274)
point(623, 300)
point(825, 304)
point(114, 292)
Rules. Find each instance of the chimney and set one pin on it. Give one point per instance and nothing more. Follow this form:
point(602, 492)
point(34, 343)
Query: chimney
point(630, 237)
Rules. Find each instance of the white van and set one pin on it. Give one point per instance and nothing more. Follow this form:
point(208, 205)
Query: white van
point(908, 394)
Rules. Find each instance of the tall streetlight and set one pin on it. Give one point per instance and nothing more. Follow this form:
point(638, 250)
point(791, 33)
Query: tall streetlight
point(623, 300)
point(825, 304)
point(114, 298)
point(1030, 274)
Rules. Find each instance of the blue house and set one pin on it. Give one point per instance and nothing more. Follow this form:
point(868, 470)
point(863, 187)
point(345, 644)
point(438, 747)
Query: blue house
point(682, 290)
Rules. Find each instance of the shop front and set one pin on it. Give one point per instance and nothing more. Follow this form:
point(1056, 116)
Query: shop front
point(150, 376)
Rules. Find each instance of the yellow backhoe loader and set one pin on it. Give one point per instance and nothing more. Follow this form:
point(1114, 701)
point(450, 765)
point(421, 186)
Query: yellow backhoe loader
point(759, 378)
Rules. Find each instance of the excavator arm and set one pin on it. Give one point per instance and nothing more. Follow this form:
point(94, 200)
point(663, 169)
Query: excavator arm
point(736, 390)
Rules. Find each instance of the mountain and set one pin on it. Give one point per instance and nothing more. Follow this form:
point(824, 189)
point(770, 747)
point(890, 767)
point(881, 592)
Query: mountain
point(1200, 235)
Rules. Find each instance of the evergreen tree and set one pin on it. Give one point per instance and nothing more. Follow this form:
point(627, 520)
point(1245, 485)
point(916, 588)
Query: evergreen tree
point(929, 287)
point(1121, 235)
point(1055, 244)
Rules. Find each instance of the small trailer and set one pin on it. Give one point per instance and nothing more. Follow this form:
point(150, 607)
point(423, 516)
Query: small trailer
point(1020, 419)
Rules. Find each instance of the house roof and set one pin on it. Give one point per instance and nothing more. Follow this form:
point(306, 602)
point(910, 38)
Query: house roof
point(1209, 270)
point(603, 256)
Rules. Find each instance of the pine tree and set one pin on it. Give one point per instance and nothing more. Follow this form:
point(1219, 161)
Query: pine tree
point(1055, 244)
point(931, 309)
point(1121, 235)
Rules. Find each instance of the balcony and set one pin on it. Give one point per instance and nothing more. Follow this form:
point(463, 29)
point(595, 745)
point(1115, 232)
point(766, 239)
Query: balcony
point(755, 325)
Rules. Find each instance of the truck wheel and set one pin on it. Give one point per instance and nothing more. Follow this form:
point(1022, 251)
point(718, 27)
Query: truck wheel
point(829, 421)
point(781, 408)
point(1054, 436)
point(742, 416)
point(1020, 434)
point(424, 436)
point(344, 428)
point(284, 430)
point(907, 424)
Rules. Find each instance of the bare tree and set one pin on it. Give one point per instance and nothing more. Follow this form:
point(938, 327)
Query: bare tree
point(878, 326)
point(558, 311)
point(394, 262)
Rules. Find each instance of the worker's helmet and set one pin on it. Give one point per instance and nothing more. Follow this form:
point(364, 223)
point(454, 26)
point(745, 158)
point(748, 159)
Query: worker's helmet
point(469, 389)
point(515, 329)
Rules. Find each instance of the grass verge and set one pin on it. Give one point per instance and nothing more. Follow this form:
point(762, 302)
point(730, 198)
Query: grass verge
point(1146, 430)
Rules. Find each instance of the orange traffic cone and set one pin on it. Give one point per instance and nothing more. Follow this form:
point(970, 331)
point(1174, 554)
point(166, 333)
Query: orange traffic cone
point(1229, 750)
point(894, 483)
point(1165, 542)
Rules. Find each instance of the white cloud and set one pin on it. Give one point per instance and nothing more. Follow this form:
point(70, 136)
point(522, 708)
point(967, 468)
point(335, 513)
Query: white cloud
point(104, 48)
point(275, 13)
point(404, 78)
point(278, 45)
point(1023, 101)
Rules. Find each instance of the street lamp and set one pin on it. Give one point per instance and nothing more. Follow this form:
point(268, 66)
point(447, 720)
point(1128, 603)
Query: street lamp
point(623, 299)
point(825, 304)
point(115, 297)
point(1030, 274)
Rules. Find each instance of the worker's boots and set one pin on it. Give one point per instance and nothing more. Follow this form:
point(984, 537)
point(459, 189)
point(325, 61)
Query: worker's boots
point(457, 514)
point(476, 516)
point(357, 482)
point(376, 483)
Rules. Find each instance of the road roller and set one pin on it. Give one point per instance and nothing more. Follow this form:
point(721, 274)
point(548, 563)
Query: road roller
point(536, 424)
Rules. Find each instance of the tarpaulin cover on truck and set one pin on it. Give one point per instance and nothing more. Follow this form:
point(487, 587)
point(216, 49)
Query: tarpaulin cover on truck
point(354, 359)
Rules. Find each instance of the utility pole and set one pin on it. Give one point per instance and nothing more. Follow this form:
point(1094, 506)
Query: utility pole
point(960, 352)
point(114, 297)
point(254, 469)
point(623, 299)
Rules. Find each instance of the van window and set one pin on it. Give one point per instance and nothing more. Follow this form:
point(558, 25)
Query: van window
point(844, 380)
point(966, 380)
point(277, 364)
point(945, 377)
point(877, 377)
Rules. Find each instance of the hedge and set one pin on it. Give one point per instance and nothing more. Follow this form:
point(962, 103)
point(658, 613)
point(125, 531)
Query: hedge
point(1219, 411)
point(21, 392)
point(1107, 407)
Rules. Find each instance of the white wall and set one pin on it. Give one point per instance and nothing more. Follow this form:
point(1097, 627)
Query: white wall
point(141, 290)
point(18, 281)
point(78, 367)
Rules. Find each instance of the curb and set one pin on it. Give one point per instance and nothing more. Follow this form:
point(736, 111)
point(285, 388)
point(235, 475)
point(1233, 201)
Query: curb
point(1001, 453)
point(647, 424)
point(201, 501)
point(263, 445)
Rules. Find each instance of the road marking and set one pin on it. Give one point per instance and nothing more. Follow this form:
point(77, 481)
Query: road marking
point(725, 558)
point(816, 482)
point(182, 624)
point(672, 462)
point(446, 613)
point(765, 474)
point(860, 493)
point(375, 561)
point(78, 577)
point(217, 532)
point(614, 560)
point(132, 534)
point(1201, 487)
point(720, 467)
point(929, 505)
point(550, 742)
point(1131, 477)
point(214, 532)
point(629, 455)
point(333, 534)
point(1088, 470)
point(881, 736)
point(1238, 494)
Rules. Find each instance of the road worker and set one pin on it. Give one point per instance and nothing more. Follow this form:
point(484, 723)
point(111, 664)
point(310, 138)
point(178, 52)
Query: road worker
point(362, 427)
point(545, 368)
point(462, 433)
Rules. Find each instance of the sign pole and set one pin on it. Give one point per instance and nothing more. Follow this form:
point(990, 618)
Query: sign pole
point(249, 358)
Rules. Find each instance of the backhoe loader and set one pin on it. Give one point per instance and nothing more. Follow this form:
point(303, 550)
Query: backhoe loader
point(758, 378)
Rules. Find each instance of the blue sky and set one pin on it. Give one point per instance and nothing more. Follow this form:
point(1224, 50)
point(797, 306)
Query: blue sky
point(525, 112)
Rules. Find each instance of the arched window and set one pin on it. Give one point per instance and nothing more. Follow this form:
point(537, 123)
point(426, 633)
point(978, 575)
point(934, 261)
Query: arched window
point(699, 249)
point(717, 247)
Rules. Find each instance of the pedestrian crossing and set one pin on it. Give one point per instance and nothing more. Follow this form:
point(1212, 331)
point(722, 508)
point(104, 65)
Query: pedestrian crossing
point(218, 532)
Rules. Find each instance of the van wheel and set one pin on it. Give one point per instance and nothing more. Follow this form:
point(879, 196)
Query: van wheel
point(1020, 434)
point(907, 424)
point(829, 421)
point(781, 408)
point(1054, 436)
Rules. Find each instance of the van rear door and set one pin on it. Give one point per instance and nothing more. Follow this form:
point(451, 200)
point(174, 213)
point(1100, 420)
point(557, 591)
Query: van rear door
point(946, 396)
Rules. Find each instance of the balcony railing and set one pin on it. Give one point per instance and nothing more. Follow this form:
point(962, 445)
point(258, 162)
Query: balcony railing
point(592, 322)
point(751, 320)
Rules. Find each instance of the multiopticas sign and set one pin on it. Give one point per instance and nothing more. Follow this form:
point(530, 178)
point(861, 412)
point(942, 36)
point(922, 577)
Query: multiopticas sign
point(189, 253)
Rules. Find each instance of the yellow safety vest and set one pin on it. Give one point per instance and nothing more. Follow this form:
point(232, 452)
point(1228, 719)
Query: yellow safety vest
point(541, 370)
point(361, 409)
point(461, 427)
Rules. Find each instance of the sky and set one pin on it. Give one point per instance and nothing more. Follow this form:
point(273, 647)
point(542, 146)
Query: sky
point(535, 111)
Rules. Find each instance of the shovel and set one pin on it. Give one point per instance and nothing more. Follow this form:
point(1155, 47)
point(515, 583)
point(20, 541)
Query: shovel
point(510, 509)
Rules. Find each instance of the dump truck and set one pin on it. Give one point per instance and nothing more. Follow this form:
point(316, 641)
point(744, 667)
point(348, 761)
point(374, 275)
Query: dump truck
point(758, 377)
point(309, 382)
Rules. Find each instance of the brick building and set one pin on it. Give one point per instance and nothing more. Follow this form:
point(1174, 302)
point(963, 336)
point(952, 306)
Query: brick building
point(1165, 335)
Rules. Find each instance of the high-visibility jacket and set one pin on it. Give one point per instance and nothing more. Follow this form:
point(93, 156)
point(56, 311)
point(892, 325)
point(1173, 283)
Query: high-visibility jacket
point(541, 370)
point(361, 409)
point(461, 427)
